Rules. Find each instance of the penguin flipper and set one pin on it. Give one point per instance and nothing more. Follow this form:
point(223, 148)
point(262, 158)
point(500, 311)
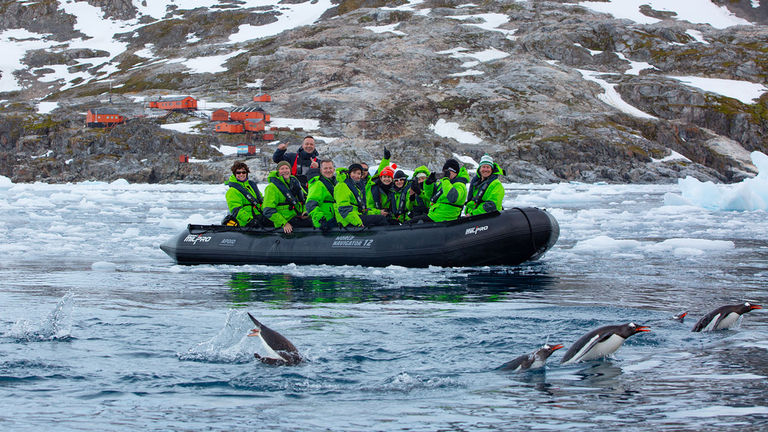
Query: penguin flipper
point(707, 322)
point(578, 350)
point(515, 364)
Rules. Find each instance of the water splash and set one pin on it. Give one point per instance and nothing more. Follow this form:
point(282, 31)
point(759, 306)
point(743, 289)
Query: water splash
point(230, 345)
point(57, 326)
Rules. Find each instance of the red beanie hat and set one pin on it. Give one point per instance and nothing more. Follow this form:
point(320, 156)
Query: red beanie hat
point(388, 171)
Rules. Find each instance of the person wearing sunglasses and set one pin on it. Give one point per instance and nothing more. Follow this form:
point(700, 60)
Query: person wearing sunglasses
point(244, 199)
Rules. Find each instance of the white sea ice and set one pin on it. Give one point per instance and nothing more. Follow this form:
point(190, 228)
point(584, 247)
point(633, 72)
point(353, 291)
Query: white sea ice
point(750, 194)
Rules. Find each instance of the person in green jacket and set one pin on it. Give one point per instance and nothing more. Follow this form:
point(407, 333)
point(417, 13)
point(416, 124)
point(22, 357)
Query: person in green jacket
point(450, 193)
point(351, 204)
point(320, 202)
point(379, 191)
point(244, 199)
point(399, 199)
point(419, 193)
point(284, 200)
point(485, 191)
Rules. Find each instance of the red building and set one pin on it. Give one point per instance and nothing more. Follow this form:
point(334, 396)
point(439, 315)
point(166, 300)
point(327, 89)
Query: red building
point(220, 115)
point(229, 127)
point(184, 103)
point(254, 125)
point(101, 117)
point(262, 98)
point(248, 112)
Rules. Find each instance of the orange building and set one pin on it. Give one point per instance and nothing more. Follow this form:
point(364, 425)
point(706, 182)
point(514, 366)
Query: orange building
point(248, 112)
point(220, 115)
point(262, 98)
point(100, 117)
point(229, 127)
point(185, 103)
point(254, 125)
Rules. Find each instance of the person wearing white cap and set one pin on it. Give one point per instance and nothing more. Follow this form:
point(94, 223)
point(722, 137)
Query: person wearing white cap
point(486, 192)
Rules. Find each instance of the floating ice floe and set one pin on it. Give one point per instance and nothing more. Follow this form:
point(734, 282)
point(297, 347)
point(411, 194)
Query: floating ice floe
point(750, 194)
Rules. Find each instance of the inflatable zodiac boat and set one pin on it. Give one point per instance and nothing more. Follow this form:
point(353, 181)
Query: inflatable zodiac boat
point(507, 238)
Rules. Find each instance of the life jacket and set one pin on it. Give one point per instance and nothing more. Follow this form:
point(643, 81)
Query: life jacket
point(254, 201)
point(329, 184)
point(359, 195)
point(482, 186)
point(398, 209)
point(376, 191)
point(290, 193)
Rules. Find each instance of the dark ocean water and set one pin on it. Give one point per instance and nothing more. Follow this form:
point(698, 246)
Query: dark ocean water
point(99, 330)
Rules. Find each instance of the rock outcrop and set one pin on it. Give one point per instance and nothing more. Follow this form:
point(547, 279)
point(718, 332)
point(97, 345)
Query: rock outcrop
point(532, 89)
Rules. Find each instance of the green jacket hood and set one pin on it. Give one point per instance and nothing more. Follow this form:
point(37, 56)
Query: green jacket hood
point(421, 169)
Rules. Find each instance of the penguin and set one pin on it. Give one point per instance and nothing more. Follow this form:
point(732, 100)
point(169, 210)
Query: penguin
point(681, 316)
point(532, 360)
point(601, 342)
point(281, 350)
point(723, 317)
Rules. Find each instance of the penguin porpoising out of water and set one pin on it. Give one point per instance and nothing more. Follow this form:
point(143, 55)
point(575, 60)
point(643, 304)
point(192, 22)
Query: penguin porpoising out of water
point(724, 317)
point(532, 360)
point(601, 342)
point(281, 350)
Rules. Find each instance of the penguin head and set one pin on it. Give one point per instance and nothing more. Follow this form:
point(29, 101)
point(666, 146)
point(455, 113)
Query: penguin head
point(681, 316)
point(749, 306)
point(545, 351)
point(633, 328)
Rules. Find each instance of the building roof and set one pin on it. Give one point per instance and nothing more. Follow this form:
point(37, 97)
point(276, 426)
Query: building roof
point(248, 108)
point(103, 111)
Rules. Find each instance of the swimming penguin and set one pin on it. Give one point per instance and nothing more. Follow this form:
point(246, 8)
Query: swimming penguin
point(601, 342)
point(723, 317)
point(533, 360)
point(681, 316)
point(281, 350)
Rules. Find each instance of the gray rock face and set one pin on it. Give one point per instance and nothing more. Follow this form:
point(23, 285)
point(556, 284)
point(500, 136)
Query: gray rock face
point(520, 93)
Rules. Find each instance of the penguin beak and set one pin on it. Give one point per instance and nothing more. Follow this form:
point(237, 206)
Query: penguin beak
point(642, 329)
point(751, 307)
point(254, 332)
point(556, 347)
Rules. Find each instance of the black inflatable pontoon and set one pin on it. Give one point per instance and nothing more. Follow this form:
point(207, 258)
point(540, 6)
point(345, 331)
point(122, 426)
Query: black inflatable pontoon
point(507, 238)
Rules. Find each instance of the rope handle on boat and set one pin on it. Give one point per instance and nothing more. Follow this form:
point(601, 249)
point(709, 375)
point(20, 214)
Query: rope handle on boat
point(530, 228)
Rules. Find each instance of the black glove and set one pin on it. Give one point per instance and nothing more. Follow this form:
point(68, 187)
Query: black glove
point(387, 153)
point(431, 179)
point(416, 187)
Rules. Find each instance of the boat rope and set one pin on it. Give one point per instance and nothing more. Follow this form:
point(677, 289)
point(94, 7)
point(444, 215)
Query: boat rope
point(530, 229)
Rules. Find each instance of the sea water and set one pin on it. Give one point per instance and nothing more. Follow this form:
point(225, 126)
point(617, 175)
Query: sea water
point(100, 330)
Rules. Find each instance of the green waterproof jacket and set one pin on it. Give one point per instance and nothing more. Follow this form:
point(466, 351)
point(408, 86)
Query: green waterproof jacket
point(485, 196)
point(282, 200)
point(398, 207)
point(377, 197)
point(320, 202)
point(419, 203)
point(240, 207)
point(449, 197)
point(350, 201)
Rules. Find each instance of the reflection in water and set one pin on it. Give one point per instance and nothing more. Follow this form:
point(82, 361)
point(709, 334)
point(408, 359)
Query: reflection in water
point(473, 285)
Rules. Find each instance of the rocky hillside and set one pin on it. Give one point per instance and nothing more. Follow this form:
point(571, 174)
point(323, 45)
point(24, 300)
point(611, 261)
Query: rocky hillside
point(554, 90)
